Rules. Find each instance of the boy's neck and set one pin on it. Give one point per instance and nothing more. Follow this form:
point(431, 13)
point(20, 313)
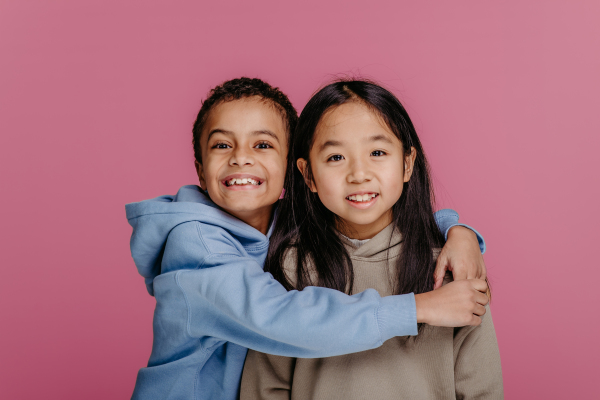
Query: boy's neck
point(258, 219)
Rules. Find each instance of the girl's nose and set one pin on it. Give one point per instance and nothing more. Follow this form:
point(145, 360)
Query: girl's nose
point(359, 173)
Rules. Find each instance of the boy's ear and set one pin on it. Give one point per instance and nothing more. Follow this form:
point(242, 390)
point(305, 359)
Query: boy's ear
point(301, 164)
point(200, 172)
point(409, 163)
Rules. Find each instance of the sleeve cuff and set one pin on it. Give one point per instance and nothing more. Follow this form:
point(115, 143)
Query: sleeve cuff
point(397, 316)
point(479, 237)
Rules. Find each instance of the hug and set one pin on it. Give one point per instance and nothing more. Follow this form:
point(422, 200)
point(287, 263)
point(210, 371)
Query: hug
point(304, 264)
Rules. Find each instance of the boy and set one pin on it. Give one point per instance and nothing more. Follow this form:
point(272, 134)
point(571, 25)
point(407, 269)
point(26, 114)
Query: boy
point(202, 251)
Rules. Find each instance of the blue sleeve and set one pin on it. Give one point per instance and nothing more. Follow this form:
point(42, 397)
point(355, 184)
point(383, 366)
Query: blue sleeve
point(447, 218)
point(231, 298)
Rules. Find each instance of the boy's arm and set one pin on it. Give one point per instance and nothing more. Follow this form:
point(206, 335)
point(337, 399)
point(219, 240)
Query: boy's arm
point(267, 376)
point(231, 298)
point(224, 296)
point(462, 253)
point(477, 369)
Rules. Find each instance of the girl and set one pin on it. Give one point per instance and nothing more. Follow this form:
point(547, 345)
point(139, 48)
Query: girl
point(360, 212)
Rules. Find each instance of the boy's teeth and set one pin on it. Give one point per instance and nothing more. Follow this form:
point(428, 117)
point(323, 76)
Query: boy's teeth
point(242, 181)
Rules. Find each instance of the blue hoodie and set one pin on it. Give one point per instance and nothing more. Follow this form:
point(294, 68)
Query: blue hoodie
point(213, 301)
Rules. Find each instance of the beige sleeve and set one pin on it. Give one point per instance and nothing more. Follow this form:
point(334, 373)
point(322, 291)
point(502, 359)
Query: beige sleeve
point(267, 377)
point(477, 370)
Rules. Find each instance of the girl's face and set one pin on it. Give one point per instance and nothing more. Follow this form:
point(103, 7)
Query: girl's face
point(359, 168)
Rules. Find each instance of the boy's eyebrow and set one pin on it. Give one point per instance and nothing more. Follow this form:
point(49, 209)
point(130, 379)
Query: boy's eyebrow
point(229, 133)
point(266, 132)
point(218, 130)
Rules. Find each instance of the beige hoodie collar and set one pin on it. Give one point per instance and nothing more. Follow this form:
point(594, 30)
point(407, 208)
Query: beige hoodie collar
point(377, 247)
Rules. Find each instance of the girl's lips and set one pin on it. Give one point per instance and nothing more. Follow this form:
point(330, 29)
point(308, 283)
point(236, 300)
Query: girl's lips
point(362, 205)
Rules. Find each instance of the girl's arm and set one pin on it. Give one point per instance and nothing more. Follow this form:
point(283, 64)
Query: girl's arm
point(462, 253)
point(477, 370)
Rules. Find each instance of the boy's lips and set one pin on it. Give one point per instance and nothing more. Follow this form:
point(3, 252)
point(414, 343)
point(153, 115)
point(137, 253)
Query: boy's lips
point(362, 199)
point(242, 182)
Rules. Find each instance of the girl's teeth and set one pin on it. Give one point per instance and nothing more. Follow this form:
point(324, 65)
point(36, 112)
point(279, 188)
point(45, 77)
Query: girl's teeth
point(362, 198)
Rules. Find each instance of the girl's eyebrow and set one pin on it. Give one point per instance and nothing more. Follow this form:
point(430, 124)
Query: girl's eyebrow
point(329, 143)
point(380, 137)
point(374, 138)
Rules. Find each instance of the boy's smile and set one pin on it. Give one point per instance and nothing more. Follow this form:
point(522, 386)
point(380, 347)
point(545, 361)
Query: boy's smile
point(244, 150)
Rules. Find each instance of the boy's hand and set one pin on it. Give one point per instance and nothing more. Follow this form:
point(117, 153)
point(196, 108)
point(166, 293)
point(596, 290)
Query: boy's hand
point(461, 255)
point(458, 303)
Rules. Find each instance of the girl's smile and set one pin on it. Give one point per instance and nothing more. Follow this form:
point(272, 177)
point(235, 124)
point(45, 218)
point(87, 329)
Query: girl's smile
point(358, 168)
point(362, 200)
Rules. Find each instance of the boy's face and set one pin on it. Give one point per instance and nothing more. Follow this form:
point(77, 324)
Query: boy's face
point(244, 151)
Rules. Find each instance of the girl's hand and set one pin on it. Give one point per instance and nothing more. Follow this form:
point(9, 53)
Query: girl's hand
point(458, 303)
point(461, 255)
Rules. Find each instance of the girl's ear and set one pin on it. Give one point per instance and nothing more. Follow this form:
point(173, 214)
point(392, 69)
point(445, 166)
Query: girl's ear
point(409, 163)
point(301, 164)
point(200, 172)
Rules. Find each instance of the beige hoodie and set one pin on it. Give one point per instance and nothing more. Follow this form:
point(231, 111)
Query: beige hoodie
point(439, 363)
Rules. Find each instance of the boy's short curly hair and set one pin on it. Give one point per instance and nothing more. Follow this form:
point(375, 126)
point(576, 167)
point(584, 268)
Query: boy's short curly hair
point(240, 88)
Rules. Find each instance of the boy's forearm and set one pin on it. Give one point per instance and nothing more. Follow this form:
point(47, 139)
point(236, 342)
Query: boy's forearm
point(244, 305)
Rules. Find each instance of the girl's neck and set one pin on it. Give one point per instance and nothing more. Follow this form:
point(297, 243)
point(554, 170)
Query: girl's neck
point(366, 231)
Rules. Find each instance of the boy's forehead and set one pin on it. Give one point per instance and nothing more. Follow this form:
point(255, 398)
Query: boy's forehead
point(244, 116)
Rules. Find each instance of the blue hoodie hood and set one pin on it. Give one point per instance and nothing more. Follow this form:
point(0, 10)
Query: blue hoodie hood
point(152, 221)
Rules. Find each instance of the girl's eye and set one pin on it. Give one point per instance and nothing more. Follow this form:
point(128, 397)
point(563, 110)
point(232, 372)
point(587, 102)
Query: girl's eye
point(336, 157)
point(221, 145)
point(378, 153)
point(263, 145)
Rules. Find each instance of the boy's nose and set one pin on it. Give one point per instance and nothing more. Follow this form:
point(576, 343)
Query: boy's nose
point(241, 157)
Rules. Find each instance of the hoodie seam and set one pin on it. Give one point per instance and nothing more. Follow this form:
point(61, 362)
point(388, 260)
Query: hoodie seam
point(199, 231)
point(187, 305)
point(241, 227)
point(376, 315)
point(247, 248)
point(372, 259)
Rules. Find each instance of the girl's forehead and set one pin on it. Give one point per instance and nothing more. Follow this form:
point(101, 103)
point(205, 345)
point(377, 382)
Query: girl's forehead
point(353, 119)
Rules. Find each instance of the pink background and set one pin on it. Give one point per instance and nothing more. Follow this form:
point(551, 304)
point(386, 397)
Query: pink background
point(97, 100)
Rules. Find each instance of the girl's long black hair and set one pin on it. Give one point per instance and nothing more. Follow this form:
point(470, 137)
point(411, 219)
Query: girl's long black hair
point(305, 224)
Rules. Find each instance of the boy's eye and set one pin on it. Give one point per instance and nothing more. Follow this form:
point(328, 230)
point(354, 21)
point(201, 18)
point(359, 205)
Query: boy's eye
point(263, 145)
point(221, 145)
point(378, 153)
point(336, 157)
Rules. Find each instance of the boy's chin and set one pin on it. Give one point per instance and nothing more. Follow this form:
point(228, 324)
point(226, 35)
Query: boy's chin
point(247, 207)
